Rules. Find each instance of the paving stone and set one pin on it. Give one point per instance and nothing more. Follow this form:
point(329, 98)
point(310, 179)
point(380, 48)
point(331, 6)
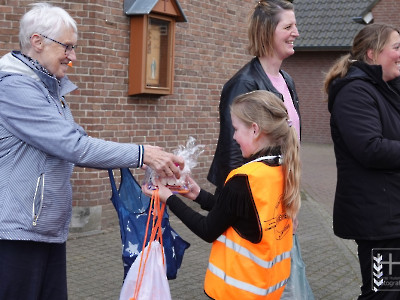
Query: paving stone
point(95, 268)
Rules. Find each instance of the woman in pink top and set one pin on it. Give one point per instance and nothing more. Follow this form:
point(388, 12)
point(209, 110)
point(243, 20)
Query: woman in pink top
point(272, 32)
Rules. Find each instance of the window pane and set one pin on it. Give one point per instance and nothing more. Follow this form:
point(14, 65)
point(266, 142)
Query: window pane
point(157, 53)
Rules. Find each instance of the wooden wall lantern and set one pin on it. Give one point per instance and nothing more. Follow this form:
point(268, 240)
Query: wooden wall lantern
point(152, 41)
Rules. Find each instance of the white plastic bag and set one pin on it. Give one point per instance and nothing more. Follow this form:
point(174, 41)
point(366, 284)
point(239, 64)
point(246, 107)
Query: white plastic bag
point(154, 285)
point(297, 287)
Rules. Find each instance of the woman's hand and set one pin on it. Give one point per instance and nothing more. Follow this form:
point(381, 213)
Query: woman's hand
point(163, 163)
point(163, 191)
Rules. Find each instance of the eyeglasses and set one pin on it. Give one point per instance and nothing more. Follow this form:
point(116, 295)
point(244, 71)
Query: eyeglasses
point(68, 48)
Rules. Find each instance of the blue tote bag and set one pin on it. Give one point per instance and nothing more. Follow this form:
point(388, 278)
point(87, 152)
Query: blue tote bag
point(132, 207)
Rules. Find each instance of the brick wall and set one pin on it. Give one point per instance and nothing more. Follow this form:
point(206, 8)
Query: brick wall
point(308, 69)
point(387, 11)
point(210, 47)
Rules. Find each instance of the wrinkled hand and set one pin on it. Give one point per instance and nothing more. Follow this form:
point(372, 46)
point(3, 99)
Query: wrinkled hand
point(163, 163)
point(163, 191)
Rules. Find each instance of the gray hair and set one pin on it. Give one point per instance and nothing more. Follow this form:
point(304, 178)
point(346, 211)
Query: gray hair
point(45, 19)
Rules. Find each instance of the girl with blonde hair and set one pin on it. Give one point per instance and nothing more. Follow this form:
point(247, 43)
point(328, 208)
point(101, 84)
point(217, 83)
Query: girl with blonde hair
point(250, 221)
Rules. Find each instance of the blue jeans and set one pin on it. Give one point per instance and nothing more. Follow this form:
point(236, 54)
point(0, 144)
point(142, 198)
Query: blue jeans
point(32, 270)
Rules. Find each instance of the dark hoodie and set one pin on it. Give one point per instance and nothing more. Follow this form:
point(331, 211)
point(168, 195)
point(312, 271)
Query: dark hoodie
point(365, 129)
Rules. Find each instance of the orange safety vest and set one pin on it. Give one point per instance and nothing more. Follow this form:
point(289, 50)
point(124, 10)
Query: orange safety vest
point(239, 269)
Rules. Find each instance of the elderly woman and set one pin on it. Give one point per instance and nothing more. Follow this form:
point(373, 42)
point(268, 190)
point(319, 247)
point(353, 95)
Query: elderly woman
point(364, 103)
point(39, 145)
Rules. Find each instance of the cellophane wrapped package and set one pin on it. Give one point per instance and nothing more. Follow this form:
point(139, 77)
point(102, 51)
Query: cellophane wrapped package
point(190, 154)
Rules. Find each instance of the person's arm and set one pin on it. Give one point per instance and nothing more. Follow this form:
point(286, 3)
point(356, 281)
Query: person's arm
point(208, 227)
point(358, 117)
point(221, 216)
point(232, 204)
point(34, 118)
point(195, 193)
point(206, 200)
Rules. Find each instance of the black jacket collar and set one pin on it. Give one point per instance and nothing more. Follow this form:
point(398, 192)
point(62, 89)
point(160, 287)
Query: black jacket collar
point(369, 73)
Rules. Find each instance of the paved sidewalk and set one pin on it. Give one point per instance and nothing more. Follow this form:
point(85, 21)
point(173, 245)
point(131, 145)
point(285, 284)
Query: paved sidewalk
point(95, 269)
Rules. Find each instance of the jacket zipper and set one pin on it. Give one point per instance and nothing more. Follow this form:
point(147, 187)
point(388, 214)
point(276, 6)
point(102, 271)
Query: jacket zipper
point(35, 213)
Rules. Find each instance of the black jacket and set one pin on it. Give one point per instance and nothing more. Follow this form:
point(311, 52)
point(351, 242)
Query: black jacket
point(249, 78)
point(365, 128)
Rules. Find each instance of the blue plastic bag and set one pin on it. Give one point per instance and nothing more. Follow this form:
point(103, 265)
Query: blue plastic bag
point(297, 287)
point(132, 207)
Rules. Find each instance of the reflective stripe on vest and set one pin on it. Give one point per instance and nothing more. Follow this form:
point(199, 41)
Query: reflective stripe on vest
point(243, 251)
point(243, 285)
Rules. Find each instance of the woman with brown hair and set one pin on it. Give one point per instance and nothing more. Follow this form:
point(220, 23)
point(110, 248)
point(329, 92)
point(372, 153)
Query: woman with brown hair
point(364, 103)
point(272, 32)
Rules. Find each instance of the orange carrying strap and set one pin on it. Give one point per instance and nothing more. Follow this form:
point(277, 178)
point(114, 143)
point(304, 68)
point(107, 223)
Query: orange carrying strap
point(156, 213)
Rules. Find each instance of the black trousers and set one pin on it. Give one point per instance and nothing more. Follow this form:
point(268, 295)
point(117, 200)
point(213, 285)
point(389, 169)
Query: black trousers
point(32, 270)
point(389, 286)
